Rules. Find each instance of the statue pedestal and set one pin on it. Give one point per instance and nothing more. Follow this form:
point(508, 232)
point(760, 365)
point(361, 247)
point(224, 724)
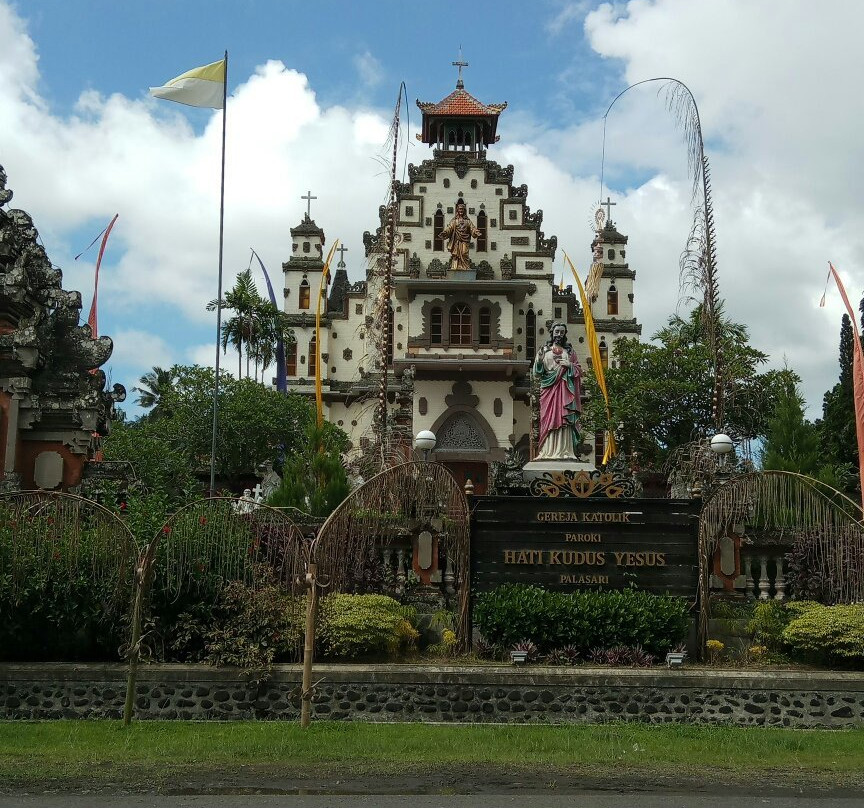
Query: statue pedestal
point(537, 468)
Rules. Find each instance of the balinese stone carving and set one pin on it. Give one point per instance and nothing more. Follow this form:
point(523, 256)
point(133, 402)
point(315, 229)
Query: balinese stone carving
point(425, 172)
point(414, 266)
point(485, 271)
point(49, 365)
point(461, 433)
point(436, 269)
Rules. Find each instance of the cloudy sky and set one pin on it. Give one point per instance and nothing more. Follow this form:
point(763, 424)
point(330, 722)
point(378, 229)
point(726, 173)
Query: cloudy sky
point(312, 88)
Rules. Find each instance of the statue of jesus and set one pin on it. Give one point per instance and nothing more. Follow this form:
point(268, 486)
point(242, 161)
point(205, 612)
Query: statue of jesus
point(458, 234)
point(560, 376)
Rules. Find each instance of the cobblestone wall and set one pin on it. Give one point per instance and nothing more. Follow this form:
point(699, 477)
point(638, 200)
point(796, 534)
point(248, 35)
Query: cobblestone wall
point(413, 693)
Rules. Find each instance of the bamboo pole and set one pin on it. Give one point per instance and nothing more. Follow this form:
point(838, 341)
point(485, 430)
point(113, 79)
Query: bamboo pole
point(134, 644)
point(309, 647)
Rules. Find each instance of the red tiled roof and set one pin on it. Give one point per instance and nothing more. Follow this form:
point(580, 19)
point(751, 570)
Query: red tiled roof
point(460, 102)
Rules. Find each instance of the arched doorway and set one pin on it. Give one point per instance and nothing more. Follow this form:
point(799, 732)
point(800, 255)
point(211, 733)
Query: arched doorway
point(466, 445)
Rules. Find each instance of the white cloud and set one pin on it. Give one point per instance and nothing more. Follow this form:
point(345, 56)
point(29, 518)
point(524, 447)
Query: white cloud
point(140, 350)
point(369, 68)
point(780, 119)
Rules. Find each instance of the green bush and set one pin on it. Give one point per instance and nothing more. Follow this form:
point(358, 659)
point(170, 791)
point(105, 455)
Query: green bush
point(769, 620)
point(828, 633)
point(352, 626)
point(251, 627)
point(64, 593)
point(588, 619)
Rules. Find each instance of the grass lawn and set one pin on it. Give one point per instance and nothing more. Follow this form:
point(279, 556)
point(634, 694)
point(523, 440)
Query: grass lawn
point(94, 752)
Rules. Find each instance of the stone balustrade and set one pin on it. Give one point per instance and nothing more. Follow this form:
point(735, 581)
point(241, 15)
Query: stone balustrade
point(765, 573)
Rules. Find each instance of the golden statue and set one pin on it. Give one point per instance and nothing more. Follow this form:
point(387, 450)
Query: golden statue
point(458, 233)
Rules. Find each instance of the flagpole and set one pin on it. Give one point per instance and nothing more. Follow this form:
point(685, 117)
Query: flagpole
point(219, 294)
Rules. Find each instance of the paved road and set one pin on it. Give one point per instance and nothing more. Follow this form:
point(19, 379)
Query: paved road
point(640, 800)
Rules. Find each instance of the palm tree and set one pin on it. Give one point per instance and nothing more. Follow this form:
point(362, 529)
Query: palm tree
point(243, 300)
point(154, 385)
point(271, 325)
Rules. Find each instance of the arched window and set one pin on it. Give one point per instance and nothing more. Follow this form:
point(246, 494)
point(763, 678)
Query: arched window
point(304, 295)
point(612, 300)
point(604, 353)
point(530, 334)
point(460, 324)
point(436, 323)
point(611, 255)
point(291, 358)
point(438, 226)
point(485, 326)
point(311, 365)
point(389, 335)
point(483, 227)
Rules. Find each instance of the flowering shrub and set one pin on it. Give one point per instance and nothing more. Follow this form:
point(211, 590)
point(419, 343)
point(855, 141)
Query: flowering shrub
point(715, 649)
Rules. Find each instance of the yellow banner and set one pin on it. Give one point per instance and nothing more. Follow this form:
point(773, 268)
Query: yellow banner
point(596, 360)
point(322, 295)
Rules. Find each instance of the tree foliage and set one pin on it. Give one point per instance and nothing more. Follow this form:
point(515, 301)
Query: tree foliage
point(661, 392)
point(255, 425)
point(792, 443)
point(313, 478)
point(839, 440)
point(154, 385)
point(256, 324)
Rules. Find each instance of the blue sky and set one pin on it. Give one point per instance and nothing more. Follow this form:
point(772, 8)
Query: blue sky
point(313, 86)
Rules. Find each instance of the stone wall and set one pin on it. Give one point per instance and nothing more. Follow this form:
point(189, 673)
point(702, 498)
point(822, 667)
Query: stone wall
point(493, 694)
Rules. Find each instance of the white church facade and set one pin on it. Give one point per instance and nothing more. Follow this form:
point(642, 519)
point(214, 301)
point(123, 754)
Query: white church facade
point(460, 344)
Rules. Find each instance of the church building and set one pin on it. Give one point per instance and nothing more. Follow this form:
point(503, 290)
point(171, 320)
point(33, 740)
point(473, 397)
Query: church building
point(461, 336)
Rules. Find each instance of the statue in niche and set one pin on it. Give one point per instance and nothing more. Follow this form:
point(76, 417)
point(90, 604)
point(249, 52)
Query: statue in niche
point(459, 233)
point(560, 375)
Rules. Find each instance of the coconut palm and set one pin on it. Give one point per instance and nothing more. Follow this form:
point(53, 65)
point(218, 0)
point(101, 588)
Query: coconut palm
point(153, 386)
point(271, 325)
point(238, 330)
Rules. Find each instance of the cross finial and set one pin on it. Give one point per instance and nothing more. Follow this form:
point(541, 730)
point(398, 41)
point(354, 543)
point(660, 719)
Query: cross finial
point(308, 197)
point(608, 205)
point(341, 249)
point(460, 63)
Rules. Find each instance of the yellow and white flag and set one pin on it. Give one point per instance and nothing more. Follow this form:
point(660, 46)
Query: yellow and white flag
point(199, 87)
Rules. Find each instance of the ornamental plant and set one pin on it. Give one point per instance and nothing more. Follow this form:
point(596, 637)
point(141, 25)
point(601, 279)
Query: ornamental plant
point(582, 620)
point(832, 634)
point(352, 626)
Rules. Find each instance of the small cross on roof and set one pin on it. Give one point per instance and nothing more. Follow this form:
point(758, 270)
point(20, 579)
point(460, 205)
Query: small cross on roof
point(460, 63)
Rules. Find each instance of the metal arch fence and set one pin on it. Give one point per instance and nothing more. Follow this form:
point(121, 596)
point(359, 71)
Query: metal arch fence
point(48, 540)
point(408, 494)
point(206, 541)
point(827, 524)
point(208, 544)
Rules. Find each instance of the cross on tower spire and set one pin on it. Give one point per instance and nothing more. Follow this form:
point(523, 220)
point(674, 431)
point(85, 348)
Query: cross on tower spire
point(460, 63)
point(308, 197)
point(341, 249)
point(608, 205)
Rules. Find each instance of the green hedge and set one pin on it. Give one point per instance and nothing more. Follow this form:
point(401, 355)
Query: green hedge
point(587, 619)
